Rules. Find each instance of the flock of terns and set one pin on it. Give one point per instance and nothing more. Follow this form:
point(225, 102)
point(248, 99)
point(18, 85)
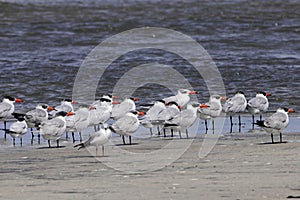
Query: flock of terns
point(176, 113)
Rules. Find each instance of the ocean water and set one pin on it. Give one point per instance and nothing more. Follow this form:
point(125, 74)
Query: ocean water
point(254, 44)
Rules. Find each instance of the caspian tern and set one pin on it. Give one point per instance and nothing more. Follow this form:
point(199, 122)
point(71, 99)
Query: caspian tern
point(18, 128)
point(171, 110)
point(126, 125)
point(35, 117)
point(276, 122)
point(7, 108)
point(54, 128)
point(127, 105)
point(236, 104)
point(152, 114)
point(185, 119)
point(65, 105)
point(258, 104)
point(82, 119)
point(182, 97)
point(212, 109)
point(100, 137)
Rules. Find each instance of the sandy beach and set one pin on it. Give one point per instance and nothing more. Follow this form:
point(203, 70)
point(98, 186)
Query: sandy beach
point(240, 166)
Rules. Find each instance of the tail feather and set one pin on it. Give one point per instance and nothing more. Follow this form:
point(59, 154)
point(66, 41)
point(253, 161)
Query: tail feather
point(81, 145)
point(260, 123)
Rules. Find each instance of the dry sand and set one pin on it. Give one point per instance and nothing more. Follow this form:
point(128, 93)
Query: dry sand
point(240, 166)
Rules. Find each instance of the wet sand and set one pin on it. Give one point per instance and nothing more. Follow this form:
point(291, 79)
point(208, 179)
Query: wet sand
point(240, 166)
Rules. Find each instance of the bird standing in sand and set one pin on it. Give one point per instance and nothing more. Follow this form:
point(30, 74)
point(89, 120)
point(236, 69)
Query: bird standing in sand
point(100, 137)
point(276, 122)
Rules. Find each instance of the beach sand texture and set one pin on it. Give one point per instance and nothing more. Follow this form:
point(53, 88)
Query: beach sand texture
point(240, 166)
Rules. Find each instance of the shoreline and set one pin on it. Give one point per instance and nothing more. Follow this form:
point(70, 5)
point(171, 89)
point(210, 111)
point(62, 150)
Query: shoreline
point(240, 166)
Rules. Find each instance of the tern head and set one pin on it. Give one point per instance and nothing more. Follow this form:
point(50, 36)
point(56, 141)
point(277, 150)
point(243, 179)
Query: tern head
point(137, 113)
point(187, 91)
point(12, 99)
point(134, 98)
point(264, 93)
point(64, 113)
point(218, 97)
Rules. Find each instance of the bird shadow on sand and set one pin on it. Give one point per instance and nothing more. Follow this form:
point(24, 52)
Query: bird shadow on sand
point(87, 156)
point(54, 147)
point(127, 145)
point(266, 143)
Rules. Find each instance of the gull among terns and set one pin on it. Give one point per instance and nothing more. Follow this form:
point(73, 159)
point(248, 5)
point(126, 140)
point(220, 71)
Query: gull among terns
point(235, 104)
point(100, 137)
point(211, 109)
point(127, 125)
point(184, 119)
point(36, 116)
point(54, 128)
point(7, 107)
point(18, 128)
point(258, 104)
point(276, 122)
point(182, 97)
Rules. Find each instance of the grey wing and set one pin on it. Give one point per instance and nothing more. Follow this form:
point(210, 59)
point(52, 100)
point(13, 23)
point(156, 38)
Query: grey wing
point(127, 124)
point(17, 127)
point(4, 108)
point(176, 119)
point(238, 104)
point(63, 107)
point(228, 104)
point(121, 109)
point(35, 115)
point(257, 102)
point(276, 120)
point(52, 126)
point(153, 112)
point(172, 98)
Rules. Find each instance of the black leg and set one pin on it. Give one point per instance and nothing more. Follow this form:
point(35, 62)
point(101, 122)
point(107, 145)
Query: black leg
point(14, 141)
point(179, 134)
point(240, 121)
point(280, 137)
point(213, 124)
point(73, 137)
point(253, 120)
point(130, 140)
point(206, 128)
point(32, 135)
point(67, 137)
point(57, 143)
point(172, 132)
point(158, 131)
point(49, 144)
point(260, 117)
point(151, 133)
point(187, 133)
point(164, 132)
point(39, 139)
point(123, 138)
point(21, 141)
point(80, 136)
point(4, 130)
point(231, 123)
point(272, 138)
